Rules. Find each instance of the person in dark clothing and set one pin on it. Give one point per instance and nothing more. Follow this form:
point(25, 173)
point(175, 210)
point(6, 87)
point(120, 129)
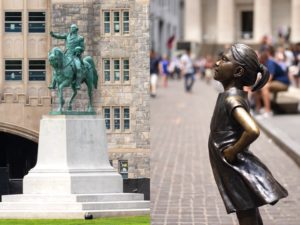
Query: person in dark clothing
point(154, 61)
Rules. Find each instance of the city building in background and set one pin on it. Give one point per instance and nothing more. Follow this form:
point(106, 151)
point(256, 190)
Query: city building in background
point(206, 25)
point(116, 34)
point(166, 24)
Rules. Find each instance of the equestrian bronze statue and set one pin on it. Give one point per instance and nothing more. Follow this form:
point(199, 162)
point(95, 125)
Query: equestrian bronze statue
point(70, 70)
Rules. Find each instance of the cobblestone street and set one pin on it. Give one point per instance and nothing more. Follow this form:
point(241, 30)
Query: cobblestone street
point(183, 190)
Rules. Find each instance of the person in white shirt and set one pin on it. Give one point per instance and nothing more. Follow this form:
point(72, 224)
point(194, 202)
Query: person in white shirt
point(187, 70)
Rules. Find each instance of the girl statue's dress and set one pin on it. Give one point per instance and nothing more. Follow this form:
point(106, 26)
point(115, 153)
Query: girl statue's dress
point(246, 183)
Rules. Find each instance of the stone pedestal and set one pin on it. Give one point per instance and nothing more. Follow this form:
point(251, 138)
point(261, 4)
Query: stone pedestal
point(72, 158)
point(73, 175)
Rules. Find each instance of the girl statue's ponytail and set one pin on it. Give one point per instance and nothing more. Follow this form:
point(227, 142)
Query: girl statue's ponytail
point(265, 75)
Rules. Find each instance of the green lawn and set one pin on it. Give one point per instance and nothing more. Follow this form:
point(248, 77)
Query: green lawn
point(137, 220)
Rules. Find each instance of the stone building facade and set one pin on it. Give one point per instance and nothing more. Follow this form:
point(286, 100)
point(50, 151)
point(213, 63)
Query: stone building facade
point(228, 21)
point(116, 34)
point(167, 19)
point(207, 25)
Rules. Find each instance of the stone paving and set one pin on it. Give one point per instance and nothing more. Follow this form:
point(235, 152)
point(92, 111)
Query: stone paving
point(183, 191)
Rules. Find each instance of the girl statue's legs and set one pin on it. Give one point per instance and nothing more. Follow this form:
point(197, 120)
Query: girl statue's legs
point(249, 217)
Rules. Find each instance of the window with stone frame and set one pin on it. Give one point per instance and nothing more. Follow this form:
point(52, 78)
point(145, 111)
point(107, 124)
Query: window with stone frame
point(36, 22)
point(116, 71)
point(117, 118)
point(13, 70)
point(107, 117)
point(106, 22)
point(125, 15)
point(13, 22)
point(106, 70)
point(116, 22)
point(37, 70)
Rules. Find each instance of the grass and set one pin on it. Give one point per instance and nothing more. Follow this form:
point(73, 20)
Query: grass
point(137, 220)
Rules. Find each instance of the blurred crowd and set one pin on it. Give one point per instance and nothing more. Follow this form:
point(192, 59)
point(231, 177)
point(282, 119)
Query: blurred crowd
point(281, 59)
point(283, 63)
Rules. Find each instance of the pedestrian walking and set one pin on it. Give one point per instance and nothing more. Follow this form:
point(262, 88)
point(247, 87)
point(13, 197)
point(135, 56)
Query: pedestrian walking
point(164, 70)
point(244, 182)
point(154, 61)
point(187, 70)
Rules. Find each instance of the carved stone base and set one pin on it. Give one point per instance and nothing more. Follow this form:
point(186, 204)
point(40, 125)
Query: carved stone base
point(72, 158)
point(73, 175)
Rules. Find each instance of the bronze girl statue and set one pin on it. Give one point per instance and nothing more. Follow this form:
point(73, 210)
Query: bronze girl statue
point(244, 182)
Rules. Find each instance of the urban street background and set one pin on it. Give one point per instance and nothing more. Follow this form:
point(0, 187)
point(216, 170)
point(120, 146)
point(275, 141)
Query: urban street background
point(183, 190)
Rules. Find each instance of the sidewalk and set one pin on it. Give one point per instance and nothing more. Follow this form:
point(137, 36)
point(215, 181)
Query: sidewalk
point(284, 131)
point(183, 190)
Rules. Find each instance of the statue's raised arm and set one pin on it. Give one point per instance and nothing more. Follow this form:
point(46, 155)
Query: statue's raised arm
point(58, 36)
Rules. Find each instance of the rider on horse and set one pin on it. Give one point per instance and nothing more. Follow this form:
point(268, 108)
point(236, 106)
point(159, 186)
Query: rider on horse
point(74, 49)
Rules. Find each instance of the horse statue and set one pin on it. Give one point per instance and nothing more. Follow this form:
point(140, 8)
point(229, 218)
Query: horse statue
point(64, 75)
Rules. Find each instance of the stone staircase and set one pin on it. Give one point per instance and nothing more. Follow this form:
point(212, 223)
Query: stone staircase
point(72, 177)
point(73, 205)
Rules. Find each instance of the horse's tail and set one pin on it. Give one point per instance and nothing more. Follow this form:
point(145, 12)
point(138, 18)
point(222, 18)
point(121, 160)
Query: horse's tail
point(90, 60)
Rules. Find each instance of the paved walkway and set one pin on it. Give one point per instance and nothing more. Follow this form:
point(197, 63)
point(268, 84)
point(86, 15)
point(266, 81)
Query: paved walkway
point(183, 191)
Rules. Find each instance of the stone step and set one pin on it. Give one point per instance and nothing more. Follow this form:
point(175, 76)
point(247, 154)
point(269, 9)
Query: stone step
point(69, 214)
point(39, 206)
point(116, 205)
point(50, 206)
point(111, 197)
point(74, 198)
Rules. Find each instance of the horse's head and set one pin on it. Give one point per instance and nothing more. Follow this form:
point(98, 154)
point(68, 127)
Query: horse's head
point(55, 57)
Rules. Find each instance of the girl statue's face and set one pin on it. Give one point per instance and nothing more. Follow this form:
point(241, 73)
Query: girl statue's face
point(225, 67)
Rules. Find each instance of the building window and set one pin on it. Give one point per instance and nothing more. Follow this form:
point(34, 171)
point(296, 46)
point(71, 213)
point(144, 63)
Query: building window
point(106, 22)
point(37, 22)
point(116, 22)
point(106, 63)
point(125, 22)
point(247, 25)
point(126, 114)
point(125, 70)
point(117, 118)
point(13, 69)
point(123, 166)
point(13, 22)
point(107, 118)
point(37, 70)
point(116, 71)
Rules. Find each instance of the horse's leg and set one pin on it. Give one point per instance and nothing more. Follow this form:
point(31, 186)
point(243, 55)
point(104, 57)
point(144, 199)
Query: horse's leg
point(89, 84)
point(60, 93)
point(61, 99)
point(73, 85)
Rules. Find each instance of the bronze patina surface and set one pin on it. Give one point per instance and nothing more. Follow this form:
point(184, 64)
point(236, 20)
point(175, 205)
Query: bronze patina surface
point(70, 70)
point(244, 182)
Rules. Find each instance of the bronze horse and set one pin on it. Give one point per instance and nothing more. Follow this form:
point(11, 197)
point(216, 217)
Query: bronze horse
point(64, 75)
